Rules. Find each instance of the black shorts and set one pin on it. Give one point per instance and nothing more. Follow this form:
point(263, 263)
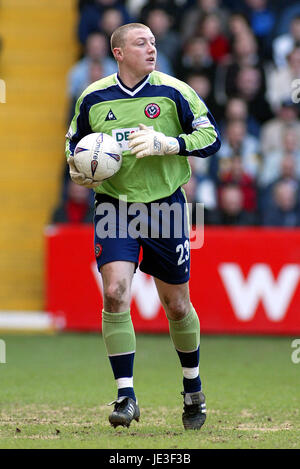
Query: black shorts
point(160, 228)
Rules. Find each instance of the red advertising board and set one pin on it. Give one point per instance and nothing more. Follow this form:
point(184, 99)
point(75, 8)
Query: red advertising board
point(242, 281)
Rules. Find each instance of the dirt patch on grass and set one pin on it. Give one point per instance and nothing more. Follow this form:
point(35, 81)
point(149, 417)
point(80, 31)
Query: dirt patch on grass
point(32, 421)
point(46, 415)
point(273, 428)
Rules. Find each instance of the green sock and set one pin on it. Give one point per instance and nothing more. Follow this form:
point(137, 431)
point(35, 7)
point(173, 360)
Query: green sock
point(118, 333)
point(120, 343)
point(185, 333)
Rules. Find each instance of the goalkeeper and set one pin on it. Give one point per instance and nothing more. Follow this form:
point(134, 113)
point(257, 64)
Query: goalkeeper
point(159, 122)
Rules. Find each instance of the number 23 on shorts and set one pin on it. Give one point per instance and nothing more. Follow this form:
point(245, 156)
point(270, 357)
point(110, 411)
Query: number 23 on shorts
point(184, 252)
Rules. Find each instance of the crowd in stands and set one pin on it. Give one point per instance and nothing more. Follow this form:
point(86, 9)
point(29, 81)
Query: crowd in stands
point(243, 58)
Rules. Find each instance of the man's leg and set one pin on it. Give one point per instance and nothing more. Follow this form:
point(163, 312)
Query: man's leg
point(119, 337)
point(184, 329)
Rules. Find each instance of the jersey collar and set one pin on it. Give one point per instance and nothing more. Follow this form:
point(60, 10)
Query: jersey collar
point(132, 91)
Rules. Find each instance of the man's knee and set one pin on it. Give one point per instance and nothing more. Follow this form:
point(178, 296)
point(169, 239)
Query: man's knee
point(177, 308)
point(117, 296)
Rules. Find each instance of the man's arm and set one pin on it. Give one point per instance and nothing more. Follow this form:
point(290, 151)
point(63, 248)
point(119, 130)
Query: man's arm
point(204, 139)
point(79, 128)
point(201, 137)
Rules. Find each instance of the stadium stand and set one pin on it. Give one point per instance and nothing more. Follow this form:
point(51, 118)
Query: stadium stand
point(38, 49)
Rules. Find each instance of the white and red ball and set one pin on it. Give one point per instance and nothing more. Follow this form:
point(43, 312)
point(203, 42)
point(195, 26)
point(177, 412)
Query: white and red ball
point(98, 156)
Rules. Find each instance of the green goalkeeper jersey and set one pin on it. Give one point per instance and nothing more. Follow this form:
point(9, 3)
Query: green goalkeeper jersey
point(161, 102)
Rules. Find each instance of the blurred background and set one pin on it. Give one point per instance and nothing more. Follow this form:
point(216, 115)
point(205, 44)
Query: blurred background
point(243, 59)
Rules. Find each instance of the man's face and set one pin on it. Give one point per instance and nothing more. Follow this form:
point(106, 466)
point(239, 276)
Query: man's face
point(295, 29)
point(138, 54)
point(96, 46)
point(236, 133)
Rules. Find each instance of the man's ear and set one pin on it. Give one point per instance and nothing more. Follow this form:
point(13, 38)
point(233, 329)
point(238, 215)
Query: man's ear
point(118, 54)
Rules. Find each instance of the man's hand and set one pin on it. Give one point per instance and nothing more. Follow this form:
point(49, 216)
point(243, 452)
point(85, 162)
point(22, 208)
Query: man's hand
point(146, 142)
point(78, 177)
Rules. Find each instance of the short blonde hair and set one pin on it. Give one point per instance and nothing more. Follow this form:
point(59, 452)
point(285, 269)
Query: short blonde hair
point(118, 36)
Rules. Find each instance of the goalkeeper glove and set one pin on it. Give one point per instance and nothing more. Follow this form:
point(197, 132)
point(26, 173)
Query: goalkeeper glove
point(80, 178)
point(146, 142)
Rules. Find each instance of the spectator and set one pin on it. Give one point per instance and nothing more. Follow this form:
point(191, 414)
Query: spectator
point(237, 109)
point(280, 80)
point(244, 56)
point(174, 8)
point(76, 208)
point(287, 13)
point(205, 190)
point(196, 58)
point(168, 42)
point(262, 20)
point(163, 64)
point(222, 49)
point(95, 72)
point(207, 195)
point(285, 43)
point(265, 192)
point(236, 141)
point(238, 26)
point(283, 209)
point(203, 86)
point(200, 168)
point(211, 29)
point(202, 192)
point(110, 20)
point(134, 7)
point(245, 50)
point(236, 174)
point(95, 50)
point(194, 15)
point(288, 169)
point(90, 16)
point(230, 211)
point(287, 116)
point(250, 87)
point(271, 164)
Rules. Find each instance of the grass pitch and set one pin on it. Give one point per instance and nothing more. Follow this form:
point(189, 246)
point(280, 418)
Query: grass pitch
point(54, 391)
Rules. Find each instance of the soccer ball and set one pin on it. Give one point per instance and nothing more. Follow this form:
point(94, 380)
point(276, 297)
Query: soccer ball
point(98, 156)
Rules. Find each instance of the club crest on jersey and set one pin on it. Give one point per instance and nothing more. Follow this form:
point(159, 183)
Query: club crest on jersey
point(94, 164)
point(152, 110)
point(98, 250)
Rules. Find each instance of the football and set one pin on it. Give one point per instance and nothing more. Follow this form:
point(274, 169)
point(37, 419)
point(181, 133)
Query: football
point(98, 156)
